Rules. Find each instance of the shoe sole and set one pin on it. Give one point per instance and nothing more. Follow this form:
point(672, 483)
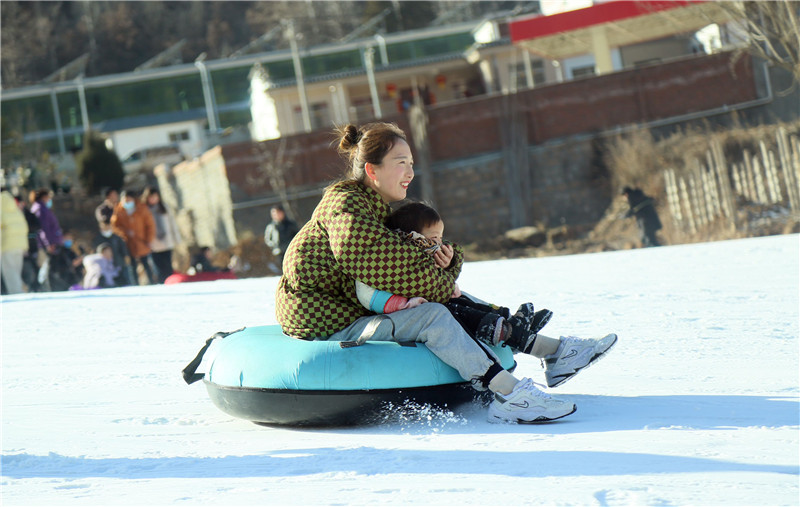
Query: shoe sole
point(594, 359)
point(539, 420)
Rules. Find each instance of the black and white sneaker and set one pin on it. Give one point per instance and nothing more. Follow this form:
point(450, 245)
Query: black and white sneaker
point(573, 355)
point(527, 404)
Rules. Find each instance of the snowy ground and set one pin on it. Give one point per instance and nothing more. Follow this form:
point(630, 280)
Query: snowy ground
point(697, 404)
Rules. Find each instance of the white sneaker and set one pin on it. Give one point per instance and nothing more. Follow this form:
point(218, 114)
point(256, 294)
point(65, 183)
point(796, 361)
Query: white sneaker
point(528, 405)
point(573, 355)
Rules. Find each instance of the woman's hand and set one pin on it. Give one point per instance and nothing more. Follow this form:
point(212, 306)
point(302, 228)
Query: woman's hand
point(443, 256)
point(456, 292)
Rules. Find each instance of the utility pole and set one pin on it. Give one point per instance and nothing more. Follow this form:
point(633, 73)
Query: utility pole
point(298, 73)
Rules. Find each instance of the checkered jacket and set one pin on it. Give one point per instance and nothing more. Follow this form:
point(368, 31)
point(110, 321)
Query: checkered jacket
point(345, 241)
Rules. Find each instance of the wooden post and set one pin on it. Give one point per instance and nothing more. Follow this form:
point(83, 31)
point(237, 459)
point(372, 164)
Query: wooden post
point(751, 179)
point(673, 198)
point(773, 187)
point(690, 213)
point(727, 202)
point(785, 157)
point(759, 179)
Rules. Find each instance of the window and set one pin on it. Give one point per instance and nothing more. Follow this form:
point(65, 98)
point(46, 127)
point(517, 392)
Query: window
point(585, 71)
point(320, 118)
point(175, 137)
point(518, 74)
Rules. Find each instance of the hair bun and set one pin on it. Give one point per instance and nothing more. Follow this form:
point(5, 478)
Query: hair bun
point(352, 134)
point(349, 136)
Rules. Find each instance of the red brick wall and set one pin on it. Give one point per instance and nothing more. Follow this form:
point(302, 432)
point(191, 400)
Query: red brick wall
point(593, 104)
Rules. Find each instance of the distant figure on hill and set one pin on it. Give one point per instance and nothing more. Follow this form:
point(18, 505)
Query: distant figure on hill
point(643, 208)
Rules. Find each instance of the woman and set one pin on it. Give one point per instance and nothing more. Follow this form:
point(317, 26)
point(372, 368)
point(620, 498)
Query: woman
point(167, 236)
point(133, 222)
point(346, 241)
point(50, 234)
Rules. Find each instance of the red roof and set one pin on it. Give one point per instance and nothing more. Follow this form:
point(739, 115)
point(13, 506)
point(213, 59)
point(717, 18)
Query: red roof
point(570, 33)
point(598, 14)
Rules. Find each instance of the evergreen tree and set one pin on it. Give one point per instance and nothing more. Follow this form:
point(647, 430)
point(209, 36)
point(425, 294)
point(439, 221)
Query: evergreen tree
point(98, 167)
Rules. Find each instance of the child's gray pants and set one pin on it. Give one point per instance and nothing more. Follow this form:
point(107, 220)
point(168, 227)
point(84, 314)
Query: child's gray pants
point(433, 325)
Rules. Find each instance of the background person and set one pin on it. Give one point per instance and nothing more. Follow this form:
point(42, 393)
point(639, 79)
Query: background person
point(279, 234)
point(100, 269)
point(643, 208)
point(166, 237)
point(119, 251)
point(202, 262)
point(30, 261)
point(133, 222)
point(13, 243)
point(50, 234)
point(105, 210)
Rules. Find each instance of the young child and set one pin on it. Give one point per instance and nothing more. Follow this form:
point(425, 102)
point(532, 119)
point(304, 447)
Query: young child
point(119, 251)
point(423, 226)
point(201, 262)
point(100, 269)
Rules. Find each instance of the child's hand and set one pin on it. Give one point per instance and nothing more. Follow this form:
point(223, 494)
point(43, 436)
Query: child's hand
point(413, 303)
point(443, 256)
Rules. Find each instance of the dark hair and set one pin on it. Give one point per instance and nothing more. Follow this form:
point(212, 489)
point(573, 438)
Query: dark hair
point(154, 191)
point(42, 192)
point(130, 192)
point(413, 216)
point(107, 191)
point(103, 246)
point(368, 143)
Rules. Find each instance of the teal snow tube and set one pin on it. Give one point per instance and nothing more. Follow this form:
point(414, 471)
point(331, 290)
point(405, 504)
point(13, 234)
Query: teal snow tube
point(264, 376)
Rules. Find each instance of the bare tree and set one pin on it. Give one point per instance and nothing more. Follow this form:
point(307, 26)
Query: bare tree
point(272, 168)
point(772, 30)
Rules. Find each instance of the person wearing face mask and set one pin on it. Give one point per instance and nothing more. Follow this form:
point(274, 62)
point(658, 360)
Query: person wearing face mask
point(64, 267)
point(119, 250)
point(133, 221)
point(53, 273)
point(50, 234)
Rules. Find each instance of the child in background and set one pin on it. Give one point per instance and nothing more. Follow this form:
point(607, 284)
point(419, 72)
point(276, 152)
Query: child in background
point(100, 269)
point(422, 225)
point(120, 253)
point(201, 262)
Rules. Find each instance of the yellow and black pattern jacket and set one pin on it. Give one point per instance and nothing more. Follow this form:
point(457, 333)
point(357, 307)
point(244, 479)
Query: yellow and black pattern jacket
point(346, 240)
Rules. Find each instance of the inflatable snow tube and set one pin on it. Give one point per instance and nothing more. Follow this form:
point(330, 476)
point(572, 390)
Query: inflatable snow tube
point(199, 277)
point(264, 376)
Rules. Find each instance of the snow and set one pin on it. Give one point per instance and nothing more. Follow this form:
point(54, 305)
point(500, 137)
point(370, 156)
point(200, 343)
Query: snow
point(698, 404)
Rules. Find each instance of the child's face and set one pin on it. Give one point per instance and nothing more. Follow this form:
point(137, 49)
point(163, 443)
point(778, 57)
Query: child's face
point(434, 232)
point(108, 254)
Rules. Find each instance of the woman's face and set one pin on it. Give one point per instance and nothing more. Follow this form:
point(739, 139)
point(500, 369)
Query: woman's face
point(153, 199)
point(392, 176)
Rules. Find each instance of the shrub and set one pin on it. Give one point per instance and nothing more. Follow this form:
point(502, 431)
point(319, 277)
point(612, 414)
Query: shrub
point(98, 167)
